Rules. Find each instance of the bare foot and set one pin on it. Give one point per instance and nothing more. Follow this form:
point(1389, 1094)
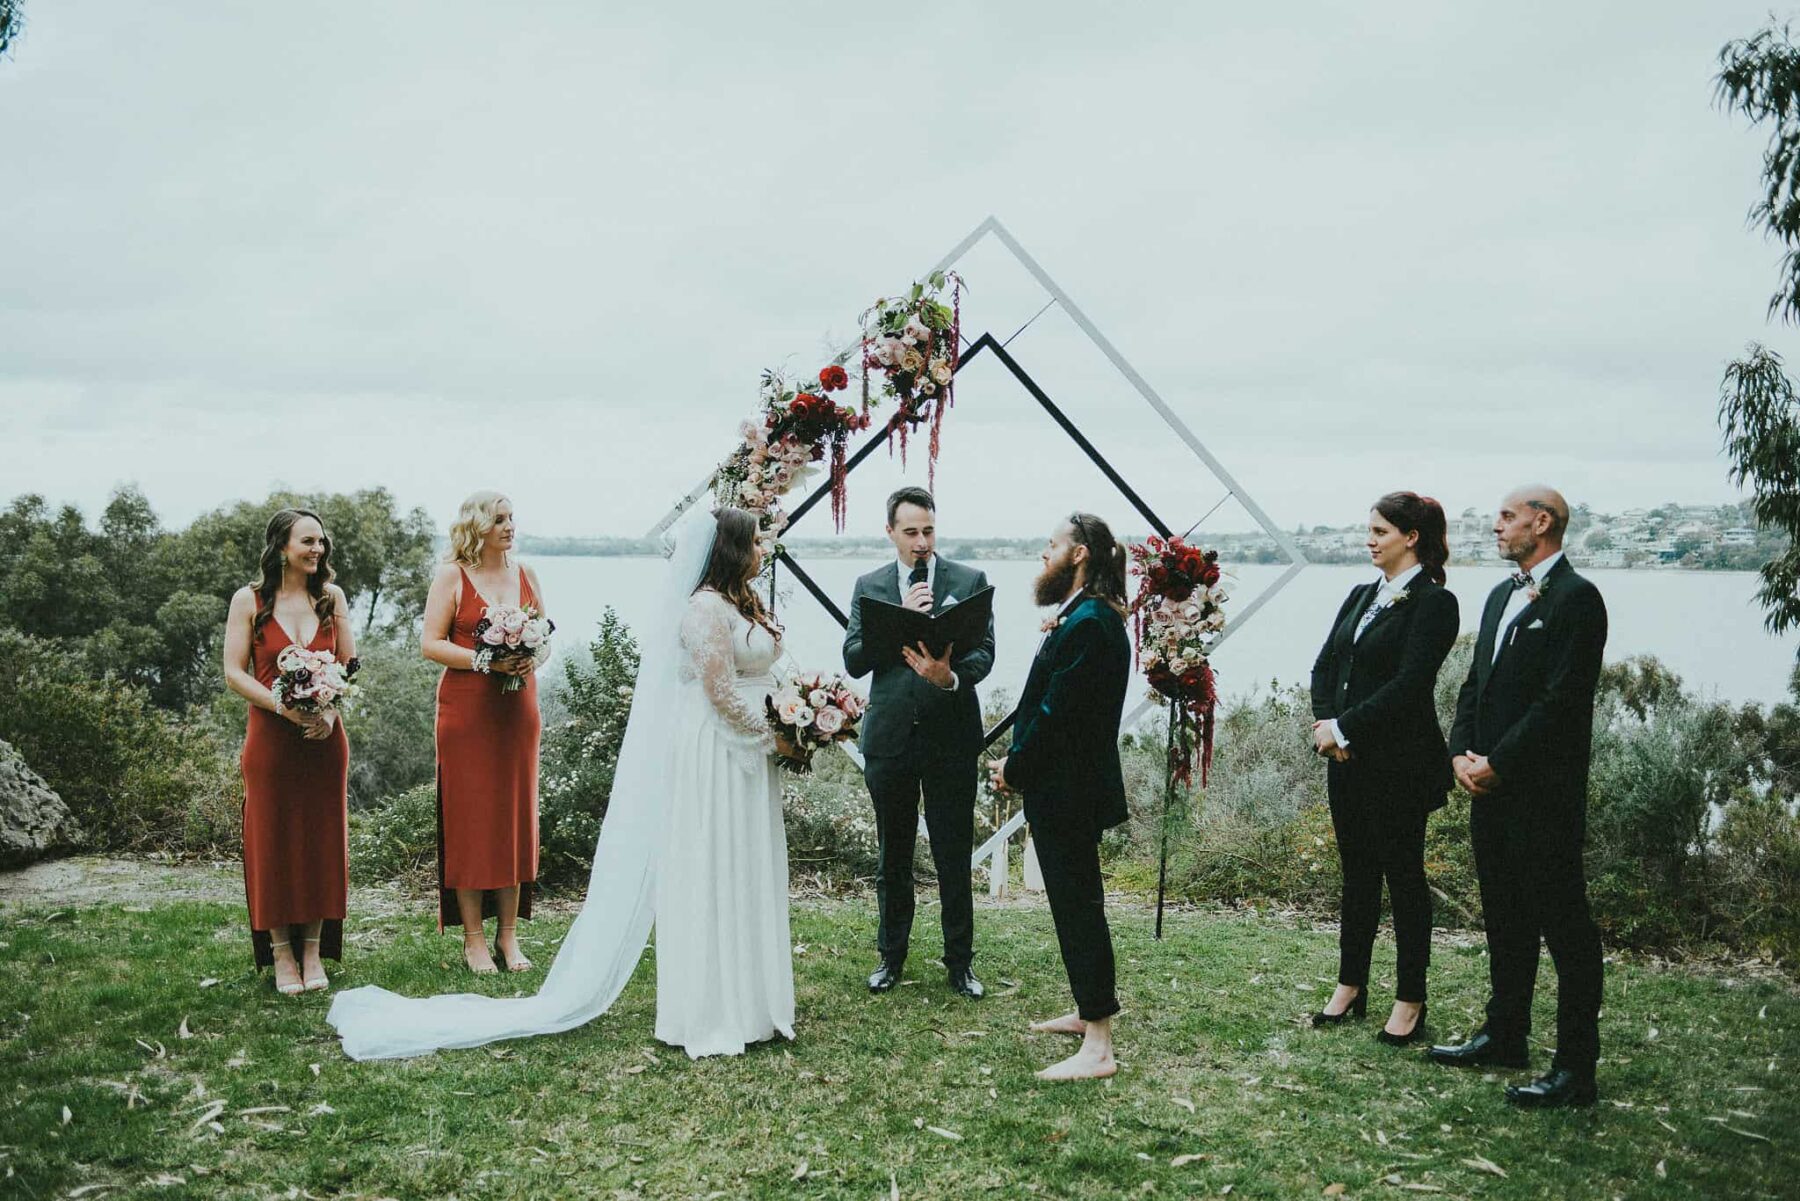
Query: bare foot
point(287, 972)
point(508, 942)
point(475, 954)
point(1085, 1064)
point(312, 968)
point(1068, 1023)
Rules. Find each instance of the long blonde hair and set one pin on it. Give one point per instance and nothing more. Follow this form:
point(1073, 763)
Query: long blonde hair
point(473, 521)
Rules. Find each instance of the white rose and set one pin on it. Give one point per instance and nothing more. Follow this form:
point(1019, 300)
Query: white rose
point(818, 698)
point(803, 717)
point(289, 659)
point(790, 709)
point(748, 490)
point(917, 330)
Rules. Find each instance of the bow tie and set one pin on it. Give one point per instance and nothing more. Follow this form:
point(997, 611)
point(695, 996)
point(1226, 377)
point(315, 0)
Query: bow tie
point(1522, 579)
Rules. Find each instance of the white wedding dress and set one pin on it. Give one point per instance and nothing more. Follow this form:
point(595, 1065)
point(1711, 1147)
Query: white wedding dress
point(692, 842)
point(724, 959)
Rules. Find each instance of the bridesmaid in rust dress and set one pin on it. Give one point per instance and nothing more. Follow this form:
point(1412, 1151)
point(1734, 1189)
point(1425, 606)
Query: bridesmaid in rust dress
point(296, 767)
point(487, 738)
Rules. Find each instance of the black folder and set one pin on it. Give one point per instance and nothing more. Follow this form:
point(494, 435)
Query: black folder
point(886, 627)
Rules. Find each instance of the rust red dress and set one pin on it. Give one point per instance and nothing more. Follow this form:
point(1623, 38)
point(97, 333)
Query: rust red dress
point(296, 816)
point(487, 759)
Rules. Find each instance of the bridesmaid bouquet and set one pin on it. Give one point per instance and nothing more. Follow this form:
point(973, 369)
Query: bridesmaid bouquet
point(514, 632)
point(313, 681)
point(809, 710)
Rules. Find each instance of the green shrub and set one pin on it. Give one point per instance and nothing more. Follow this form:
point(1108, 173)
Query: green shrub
point(392, 723)
point(397, 840)
point(134, 776)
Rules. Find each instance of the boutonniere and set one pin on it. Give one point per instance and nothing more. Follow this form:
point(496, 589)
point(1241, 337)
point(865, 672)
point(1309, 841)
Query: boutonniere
point(1050, 623)
point(1397, 598)
point(1536, 589)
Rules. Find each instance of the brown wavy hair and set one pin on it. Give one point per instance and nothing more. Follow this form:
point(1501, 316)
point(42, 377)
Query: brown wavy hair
point(275, 540)
point(1106, 559)
point(728, 568)
point(1411, 513)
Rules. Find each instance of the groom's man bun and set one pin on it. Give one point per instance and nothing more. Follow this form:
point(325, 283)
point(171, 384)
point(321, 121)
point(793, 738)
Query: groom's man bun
point(909, 495)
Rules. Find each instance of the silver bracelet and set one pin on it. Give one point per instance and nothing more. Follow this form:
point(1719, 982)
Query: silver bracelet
point(483, 658)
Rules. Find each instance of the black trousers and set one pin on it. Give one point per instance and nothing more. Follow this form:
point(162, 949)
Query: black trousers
point(1380, 838)
point(1069, 857)
point(947, 785)
point(1534, 886)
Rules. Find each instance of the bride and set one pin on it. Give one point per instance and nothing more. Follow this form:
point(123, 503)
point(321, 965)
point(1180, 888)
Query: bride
point(692, 842)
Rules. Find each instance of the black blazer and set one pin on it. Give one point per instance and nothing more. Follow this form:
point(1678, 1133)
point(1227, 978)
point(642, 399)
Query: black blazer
point(899, 699)
point(1065, 745)
point(1531, 711)
point(1381, 690)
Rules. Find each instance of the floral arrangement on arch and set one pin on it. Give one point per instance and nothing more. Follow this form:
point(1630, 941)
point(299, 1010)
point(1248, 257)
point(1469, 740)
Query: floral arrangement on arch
point(914, 341)
point(1180, 613)
point(798, 425)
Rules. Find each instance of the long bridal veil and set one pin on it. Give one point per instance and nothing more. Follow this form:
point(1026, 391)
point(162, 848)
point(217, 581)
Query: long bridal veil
point(602, 948)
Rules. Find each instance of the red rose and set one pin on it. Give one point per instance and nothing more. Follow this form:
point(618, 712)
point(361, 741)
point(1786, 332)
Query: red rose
point(1210, 575)
point(833, 378)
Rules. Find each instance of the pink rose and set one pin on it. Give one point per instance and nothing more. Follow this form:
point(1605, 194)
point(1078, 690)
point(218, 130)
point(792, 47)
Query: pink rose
point(493, 635)
point(829, 721)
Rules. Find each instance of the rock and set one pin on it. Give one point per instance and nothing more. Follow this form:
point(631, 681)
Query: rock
point(34, 822)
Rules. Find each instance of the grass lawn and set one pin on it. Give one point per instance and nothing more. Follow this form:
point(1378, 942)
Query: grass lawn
point(140, 1056)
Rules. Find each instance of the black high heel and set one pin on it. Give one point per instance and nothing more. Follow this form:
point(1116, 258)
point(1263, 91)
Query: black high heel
point(1359, 1008)
point(1411, 1036)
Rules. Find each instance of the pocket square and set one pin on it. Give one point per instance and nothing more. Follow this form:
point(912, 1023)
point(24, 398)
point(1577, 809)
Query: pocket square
point(1536, 625)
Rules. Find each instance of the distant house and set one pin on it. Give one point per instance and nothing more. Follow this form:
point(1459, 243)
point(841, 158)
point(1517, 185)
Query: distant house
point(1603, 558)
point(1739, 535)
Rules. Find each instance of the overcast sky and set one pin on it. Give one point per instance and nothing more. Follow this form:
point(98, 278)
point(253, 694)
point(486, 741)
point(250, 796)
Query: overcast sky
point(548, 247)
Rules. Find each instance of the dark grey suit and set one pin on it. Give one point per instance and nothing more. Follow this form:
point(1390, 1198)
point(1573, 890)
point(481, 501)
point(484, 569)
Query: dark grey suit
point(920, 740)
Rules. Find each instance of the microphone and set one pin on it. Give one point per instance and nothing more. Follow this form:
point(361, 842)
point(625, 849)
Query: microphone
point(920, 574)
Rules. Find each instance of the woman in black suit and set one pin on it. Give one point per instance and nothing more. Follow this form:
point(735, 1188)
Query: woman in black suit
point(1373, 689)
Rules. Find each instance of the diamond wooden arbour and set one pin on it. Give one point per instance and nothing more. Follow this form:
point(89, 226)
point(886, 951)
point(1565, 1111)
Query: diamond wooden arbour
point(995, 847)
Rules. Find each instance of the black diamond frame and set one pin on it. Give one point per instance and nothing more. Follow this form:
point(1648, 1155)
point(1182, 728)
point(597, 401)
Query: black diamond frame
point(989, 344)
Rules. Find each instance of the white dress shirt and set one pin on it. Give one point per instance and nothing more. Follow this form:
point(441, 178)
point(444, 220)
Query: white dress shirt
point(1515, 604)
point(1385, 592)
point(904, 570)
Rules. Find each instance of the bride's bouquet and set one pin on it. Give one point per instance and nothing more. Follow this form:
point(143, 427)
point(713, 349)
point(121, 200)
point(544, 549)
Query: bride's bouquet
point(809, 710)
point(514, 632)
point(312, 681)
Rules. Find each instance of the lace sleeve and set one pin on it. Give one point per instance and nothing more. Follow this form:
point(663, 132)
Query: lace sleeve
point(706, 631)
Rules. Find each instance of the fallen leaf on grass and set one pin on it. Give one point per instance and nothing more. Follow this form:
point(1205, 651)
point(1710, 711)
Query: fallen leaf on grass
point(244, 1113)
point(1662, 1169)
point(893, 1188)
point(87, 1189)
point(67, 1117)
point(241, 1059)
point(1761, 1138)
point(164, 1180)
point(1182, 1161)
point(315, 1069)
point(801, 1171)
point(183, 1031)
point(1482, 1163)
point(942, 1133)
point(158, 1050)
point(320, 1110)
point(635, 1069)
point(1184, 1103)
point(209, 982)
point(1335, 1189)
